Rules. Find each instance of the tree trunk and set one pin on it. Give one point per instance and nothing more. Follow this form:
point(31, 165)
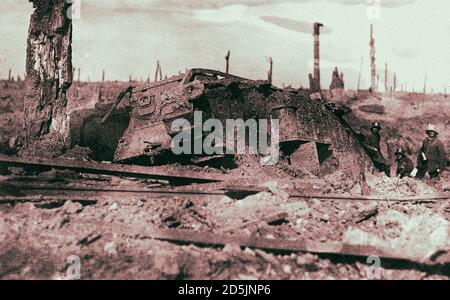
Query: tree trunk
point(48, 71)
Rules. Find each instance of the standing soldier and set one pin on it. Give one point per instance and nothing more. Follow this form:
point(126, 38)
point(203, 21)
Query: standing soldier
point(404, 164)
point(432, 157)
point(372, 145)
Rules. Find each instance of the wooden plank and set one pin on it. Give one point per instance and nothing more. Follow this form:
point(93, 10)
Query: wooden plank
point(288, 245)
point(265, 219)
point(176, 177)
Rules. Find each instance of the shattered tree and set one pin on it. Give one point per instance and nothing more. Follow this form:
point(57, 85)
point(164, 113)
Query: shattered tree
point(48, 71)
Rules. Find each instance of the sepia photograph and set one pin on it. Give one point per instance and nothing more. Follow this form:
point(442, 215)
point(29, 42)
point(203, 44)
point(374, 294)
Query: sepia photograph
point(246, 142)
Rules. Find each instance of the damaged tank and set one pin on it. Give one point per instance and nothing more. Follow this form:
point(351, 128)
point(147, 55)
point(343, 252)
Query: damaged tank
point(137, 128)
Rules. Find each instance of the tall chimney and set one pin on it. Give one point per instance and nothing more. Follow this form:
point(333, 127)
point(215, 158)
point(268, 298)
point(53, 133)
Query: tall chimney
point(9, 75)
point(373, 67)
point(315, 80)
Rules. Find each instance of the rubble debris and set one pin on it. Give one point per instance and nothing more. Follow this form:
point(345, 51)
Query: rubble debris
point(78, 153)
point(110, 248)
point(71, 207)
point(269, 219)
point(59, 175)
point(89, 239)
point(366, 213)
point(419, 236)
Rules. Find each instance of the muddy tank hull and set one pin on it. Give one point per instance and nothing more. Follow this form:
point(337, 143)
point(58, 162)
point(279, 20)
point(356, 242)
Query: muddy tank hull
point(310, 133)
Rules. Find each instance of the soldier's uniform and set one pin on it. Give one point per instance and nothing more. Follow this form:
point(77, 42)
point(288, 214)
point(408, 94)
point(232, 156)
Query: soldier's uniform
point(372, 144)
point(432, 157)
point(405, 165)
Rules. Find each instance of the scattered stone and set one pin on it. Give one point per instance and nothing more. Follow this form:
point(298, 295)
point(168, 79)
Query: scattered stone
point(65, 220)
point(113, 206)
point(232, 248)
point(276, 191)
point(78, 153)
point(249, 251)
point(366, 213)
point(172, 220)
point(270, 258)
point(325, 218)
point(305, 260)
point(110, 248)
point(71, 207)
point(287, 269)
point(166, 262)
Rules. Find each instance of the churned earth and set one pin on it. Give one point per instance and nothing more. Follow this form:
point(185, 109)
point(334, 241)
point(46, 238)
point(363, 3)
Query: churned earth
point(111, 237)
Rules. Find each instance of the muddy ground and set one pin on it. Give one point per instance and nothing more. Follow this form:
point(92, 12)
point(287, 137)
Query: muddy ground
point(112, 237)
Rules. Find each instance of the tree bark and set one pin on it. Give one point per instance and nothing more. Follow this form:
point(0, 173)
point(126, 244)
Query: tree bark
point(48, 70)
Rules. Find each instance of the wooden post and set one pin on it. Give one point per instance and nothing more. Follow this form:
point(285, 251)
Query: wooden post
point(48, 70)
point(378, 81)
point(158, 71)
point(79, 75)
point(103, 76)
point(9, 75)
point(395, 82)
point(385, 78)
point(373, 67)
point(359, 76)
point(425, 85)
point(227, 59)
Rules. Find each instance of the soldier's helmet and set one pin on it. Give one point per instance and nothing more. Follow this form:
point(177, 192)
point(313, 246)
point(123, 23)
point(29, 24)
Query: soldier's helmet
point(400, 151)
point(432, 128)
point(375, 125)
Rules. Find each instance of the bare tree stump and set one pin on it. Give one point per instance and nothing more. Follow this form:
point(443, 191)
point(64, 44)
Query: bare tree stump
point(48, 71)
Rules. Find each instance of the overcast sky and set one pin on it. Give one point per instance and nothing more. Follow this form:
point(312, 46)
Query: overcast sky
point(127, 37)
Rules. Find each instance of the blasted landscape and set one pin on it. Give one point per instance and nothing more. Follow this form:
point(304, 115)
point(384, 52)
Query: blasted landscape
point(91, 189)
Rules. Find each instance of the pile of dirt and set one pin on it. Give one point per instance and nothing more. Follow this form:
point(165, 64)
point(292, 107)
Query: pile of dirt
point(397, 188)
point(417, 236)
point(49, 146)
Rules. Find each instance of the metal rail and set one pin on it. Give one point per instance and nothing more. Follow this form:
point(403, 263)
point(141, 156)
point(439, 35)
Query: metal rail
point(18, 190)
